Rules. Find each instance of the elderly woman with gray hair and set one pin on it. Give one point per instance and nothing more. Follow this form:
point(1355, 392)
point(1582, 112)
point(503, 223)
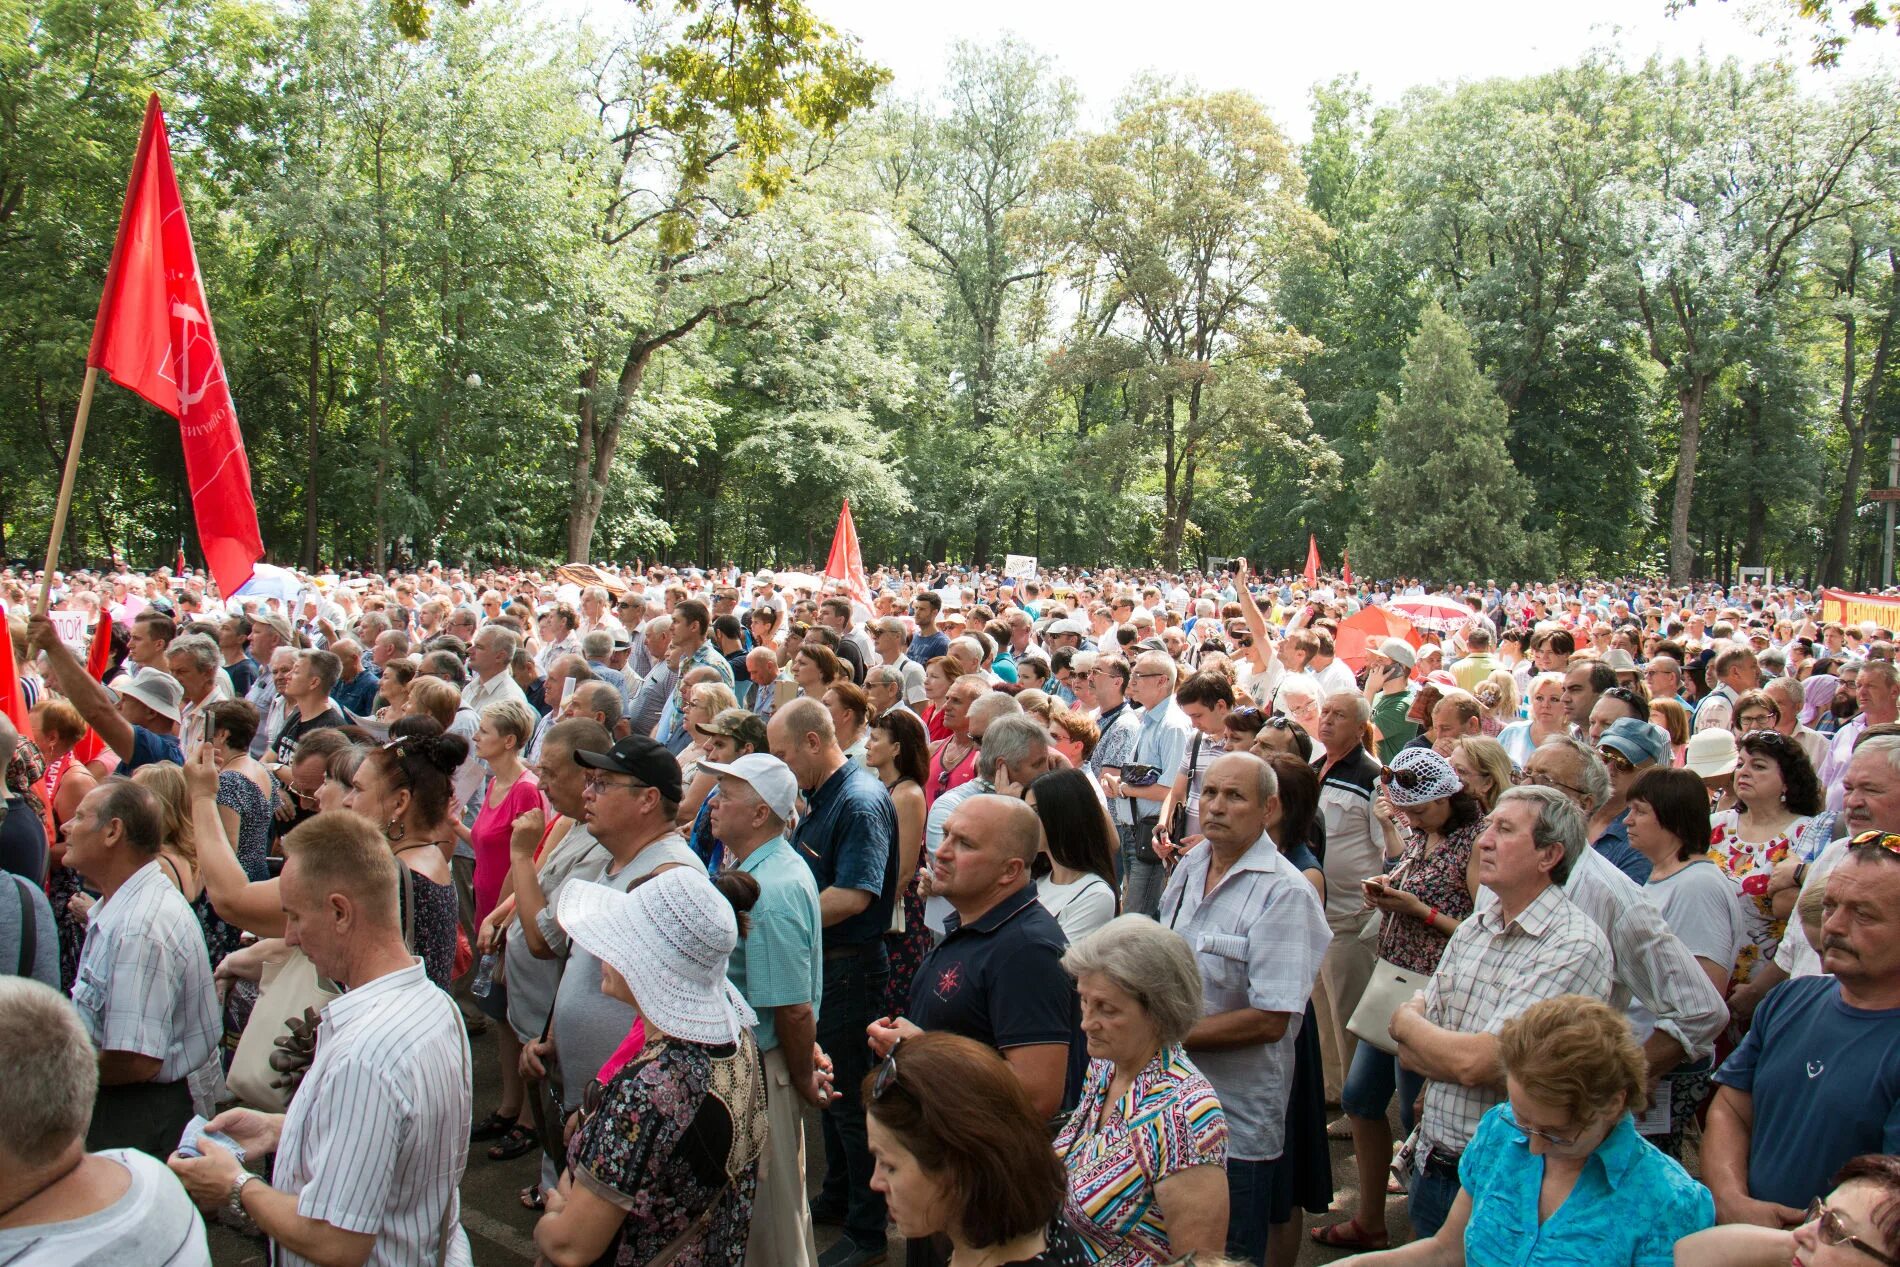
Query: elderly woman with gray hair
point(1146, 1147)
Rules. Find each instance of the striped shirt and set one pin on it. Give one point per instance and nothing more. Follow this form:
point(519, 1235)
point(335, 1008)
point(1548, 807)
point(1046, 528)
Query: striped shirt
point(1258, 939)
point(1491, 971)
point(144, 984)
point(377, 1136)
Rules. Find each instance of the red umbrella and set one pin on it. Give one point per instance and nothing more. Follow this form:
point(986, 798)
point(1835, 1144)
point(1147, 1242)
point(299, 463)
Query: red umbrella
point(1432, 611)
point(1365, 629)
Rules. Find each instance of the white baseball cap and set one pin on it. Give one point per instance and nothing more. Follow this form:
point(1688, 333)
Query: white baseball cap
point(771, 778)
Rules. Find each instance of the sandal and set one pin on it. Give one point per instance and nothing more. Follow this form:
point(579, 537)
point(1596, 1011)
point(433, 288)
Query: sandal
point(532, 1198)
point(518, 1142)
point(494, 1126)
point(1347, 1235)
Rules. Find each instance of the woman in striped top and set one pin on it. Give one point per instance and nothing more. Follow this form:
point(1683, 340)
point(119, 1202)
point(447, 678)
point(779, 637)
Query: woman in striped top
point(1146, 1148)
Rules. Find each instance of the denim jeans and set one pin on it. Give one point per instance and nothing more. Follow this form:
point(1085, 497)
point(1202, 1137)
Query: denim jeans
point(1142, 882)
point(854, 997)
point(1371, 1082)
point(1257, 1191)
point(1432, 1198)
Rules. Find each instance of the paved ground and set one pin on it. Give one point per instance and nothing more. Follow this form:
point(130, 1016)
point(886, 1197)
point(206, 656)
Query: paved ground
point(500, 1231)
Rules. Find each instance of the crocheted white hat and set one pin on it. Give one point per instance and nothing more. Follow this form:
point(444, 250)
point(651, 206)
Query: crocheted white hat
point(670, 938)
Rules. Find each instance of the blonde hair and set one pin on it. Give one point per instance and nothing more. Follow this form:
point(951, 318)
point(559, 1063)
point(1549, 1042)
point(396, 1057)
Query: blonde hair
point(716, 697)
point(1492, 760)
point(1498, 694)
point(1675, 719)
point(1576, 1054)
point(434, 698)
point(166, 782)
point(512, 720)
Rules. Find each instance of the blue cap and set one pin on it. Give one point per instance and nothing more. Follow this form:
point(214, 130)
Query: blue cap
point(1637, 740)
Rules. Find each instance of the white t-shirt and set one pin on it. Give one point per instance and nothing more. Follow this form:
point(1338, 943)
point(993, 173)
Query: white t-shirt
point(1080, 907)
point(153, 1225)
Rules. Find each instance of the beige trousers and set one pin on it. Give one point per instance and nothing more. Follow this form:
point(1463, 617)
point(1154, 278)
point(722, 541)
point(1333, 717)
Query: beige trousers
point(781, 1215)
point(1343, 975)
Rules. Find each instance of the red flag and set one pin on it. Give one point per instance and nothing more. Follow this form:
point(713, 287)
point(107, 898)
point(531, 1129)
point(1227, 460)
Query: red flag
point(178, 572)
point(846, 563)
point(1345, 567)
point(153, 336)
point(1312, 561)
point(12, 693)
point(98, 656)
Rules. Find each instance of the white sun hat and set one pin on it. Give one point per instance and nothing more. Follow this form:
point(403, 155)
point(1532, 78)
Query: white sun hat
point(670, 938)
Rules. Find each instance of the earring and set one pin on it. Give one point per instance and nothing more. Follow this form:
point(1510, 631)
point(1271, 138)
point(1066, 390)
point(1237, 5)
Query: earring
point(394, 830)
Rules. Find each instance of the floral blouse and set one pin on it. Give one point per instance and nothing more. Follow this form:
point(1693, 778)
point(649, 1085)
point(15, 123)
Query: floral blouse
point(1740, 859)
point(1438, 877)
point(677, 1131)
point(1117, 1153)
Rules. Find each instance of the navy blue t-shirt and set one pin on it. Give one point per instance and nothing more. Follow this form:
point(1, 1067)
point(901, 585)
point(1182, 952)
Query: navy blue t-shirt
point(1615, 845)
point(926, 647)
point(149, 748)
point(1825, 1078)
point(1000, 981)
point(848, 838)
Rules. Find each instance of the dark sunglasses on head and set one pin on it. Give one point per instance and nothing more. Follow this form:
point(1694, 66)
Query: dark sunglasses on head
point(1834, 1232)
point(886, 1077)
point(1886, 841)
point(1407, 779)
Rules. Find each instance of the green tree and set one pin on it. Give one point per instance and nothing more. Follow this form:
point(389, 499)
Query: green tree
point(1448, 501)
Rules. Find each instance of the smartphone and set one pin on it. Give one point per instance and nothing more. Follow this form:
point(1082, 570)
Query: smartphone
point(204, 725)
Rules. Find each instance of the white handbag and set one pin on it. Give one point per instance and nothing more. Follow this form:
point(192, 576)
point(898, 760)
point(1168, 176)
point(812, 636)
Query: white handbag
point(1389, 989)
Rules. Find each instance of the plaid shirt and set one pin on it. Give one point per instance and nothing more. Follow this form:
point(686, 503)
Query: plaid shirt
point(1491, 971)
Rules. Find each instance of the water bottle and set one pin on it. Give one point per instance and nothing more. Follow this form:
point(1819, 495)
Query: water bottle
point(484, 977)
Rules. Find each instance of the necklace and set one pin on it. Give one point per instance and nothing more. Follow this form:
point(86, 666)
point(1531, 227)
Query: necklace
point(420, 844)
point(43, 1188)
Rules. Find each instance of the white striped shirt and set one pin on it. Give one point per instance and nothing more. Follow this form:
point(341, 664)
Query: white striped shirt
point(144, 984)
point(377, 1137)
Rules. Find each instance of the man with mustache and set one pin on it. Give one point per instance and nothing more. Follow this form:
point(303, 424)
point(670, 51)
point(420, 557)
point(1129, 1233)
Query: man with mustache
point(1817, 1080)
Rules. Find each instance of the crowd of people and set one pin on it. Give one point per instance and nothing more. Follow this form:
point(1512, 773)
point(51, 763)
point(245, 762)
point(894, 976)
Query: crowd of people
point(1072, 917)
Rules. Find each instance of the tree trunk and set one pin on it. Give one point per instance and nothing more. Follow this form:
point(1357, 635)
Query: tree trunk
point(1834, 562)
point(379, 501)
point(313, 413)
point(1756, 536)
point(599, 440)
point(1681, 555)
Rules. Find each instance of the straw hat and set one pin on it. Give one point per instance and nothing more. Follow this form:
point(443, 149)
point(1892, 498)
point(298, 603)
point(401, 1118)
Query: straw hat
point(670, 938)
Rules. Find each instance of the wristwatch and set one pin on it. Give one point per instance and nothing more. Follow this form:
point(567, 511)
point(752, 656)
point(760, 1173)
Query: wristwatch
point(236, 1199)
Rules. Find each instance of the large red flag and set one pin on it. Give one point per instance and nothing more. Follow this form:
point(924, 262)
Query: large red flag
point(153, 336)
point(12, 693)
point(1312, 560)
point(846, 562)
point(98, 656)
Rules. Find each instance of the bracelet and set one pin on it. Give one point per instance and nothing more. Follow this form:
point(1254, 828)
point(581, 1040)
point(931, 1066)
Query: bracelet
point(1431, 919)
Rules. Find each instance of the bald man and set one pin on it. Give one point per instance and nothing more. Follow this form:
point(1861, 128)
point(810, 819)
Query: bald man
point(997, 975)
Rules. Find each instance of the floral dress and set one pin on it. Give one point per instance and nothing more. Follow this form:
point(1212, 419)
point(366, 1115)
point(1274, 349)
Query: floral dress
point(243, 798)
point(1439, 878)
point(677, 1132)
point(1116, 1154)
point(1748, 863)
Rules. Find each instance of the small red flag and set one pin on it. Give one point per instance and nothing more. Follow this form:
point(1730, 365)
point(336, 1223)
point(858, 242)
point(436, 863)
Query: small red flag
point(1345, 567)
point(1312, 561)
point(98, 656)
point(12, 692)
point(153, 336)
point(846, 562)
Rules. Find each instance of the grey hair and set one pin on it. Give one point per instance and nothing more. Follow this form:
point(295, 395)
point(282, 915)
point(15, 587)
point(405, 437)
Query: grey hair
point(1153, 661)
point(1886, 670)
point(1887, 746)
point(1559, 822)
point(201, 650)
point(969, 645)
point(992, 707)
point(498, 637)
point(1596, 779)
point(52, 1071)
point(1150, 964)
point(883, 675)
point(597, 644)
point(661, 624)
point(1010, 740)
point(1361, 707)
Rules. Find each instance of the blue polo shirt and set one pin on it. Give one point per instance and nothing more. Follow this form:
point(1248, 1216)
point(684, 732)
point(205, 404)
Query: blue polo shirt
point(151, 748)
point(358, 695)
point(1615, 845)
point(1000, 980)
point(848, 838)
point(778, 963)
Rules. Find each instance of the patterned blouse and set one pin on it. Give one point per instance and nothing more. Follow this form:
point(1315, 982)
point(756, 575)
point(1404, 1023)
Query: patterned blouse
point(678, 1131)
point(1739, 859)
point(1116, 1154)
point(1438, 877)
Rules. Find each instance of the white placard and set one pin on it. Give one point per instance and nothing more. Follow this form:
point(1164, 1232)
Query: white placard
point(1021, 567)
point(71, 627)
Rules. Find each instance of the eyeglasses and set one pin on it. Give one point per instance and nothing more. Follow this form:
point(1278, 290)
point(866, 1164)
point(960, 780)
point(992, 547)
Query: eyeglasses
point(596, 782)
point(886, 1077)
point(1550, 781)
point(1828, 1224)
point(1559, 1141)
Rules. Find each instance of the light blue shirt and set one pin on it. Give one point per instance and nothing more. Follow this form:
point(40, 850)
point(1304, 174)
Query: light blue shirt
point(1631, 1204)
point(1162, 743)
point(779, 963)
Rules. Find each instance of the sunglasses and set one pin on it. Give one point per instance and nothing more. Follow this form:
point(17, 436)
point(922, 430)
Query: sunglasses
point(886, 1076)
point(1616, 760)
point(1833, 1232)
point(1887, 841)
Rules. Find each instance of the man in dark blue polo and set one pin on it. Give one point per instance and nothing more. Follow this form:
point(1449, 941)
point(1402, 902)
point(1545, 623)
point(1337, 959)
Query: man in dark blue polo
point(848, 837)
point(997, 976)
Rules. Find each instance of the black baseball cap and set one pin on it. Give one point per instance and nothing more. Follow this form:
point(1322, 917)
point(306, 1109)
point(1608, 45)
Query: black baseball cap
point(644, 759)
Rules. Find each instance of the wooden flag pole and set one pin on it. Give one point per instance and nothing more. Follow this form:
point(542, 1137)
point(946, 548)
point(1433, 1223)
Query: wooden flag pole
point(66, 487)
